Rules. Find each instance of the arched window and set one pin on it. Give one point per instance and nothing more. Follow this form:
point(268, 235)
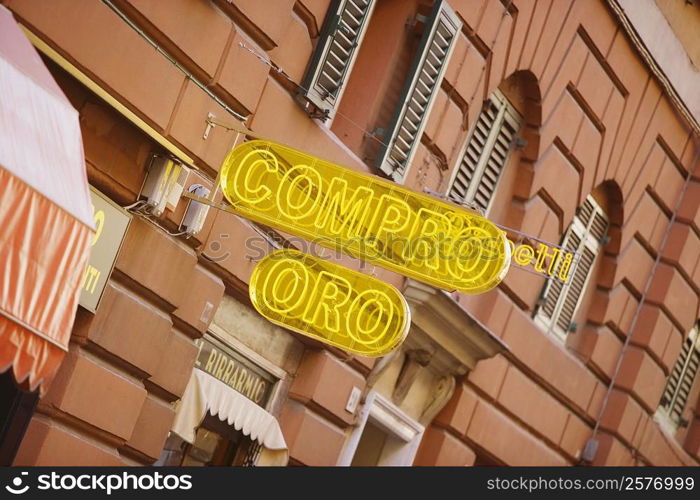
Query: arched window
point(485, 153)
point(680, 382)
point(585, 237)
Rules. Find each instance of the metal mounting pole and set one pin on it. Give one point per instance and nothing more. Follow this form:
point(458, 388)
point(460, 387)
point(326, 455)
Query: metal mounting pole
point(239, 128)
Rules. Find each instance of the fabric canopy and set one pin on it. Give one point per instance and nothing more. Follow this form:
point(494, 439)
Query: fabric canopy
point(45, 211)
point(206, 393)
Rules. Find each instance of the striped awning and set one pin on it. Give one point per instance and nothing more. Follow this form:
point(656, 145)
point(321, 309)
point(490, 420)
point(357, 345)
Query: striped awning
point(205, 393)
point(46, 222)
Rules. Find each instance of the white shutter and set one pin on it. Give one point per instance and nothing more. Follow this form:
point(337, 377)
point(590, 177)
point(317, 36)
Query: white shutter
point(554, 288)
point(342, 33)
point(680, 380)
point(428, 68)
point(560, 301)
point(485, 154)
point(577, 282)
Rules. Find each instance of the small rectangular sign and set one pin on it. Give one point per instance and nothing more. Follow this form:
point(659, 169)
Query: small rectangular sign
point(234, 370)
point(111, 223)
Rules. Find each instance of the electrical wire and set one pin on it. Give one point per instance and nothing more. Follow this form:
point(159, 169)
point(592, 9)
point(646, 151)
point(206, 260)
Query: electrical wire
point(136, 209)
point(645, 292)
point(173, 61)
point(284, 74)
point(263, 59)
point(134, 205)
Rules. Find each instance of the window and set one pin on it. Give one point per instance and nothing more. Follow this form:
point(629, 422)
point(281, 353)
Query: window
point(404, 133)
point(384, 435)
point(559, 301)
point(485, 154)
point(341, 35)
point(374, 445)
point(216, 444)
point(680, 382)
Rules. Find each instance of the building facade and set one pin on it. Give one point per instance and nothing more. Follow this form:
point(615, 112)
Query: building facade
point(572, 124)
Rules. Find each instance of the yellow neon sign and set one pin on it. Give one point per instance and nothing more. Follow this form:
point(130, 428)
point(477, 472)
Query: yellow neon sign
point(553, 261)
point(366, 217)
point(329, 302)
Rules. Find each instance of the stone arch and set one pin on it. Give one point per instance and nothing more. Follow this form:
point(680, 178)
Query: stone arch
point(599, 294)
point(609, 196)
point(522, 90)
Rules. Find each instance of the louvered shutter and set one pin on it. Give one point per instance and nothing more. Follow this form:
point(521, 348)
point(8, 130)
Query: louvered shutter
point(342, 33)
point(485, 153)
point(680, 380)
point(554, 288)
point(418, 95)
point(561, 300)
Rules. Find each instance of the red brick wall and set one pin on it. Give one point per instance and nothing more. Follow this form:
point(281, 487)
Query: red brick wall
point(603, 119)
point(593, 114)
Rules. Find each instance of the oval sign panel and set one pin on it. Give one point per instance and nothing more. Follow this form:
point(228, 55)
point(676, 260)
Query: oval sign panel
point(366, 217)
point(330, 303)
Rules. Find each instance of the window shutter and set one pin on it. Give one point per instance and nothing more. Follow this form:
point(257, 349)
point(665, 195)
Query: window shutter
point(343, 29)
point(680, 380)
point(553, 290)
point(578, 280)
point(485, 153)
point(686, 384)
point(584, 237)
point(593, 218)
point(428, 67)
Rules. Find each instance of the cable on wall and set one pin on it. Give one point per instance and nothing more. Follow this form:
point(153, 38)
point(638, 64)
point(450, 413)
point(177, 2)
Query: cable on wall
point(591, 446)
point(173, 61)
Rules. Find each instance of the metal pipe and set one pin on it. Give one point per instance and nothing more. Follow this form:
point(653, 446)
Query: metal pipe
point(170, 58)
point(592, 443)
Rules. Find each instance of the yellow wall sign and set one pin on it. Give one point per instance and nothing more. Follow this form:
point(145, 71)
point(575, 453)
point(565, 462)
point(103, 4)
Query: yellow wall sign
point(366, 217)
point(329, 302)
point(111, 223)
point(552, 262)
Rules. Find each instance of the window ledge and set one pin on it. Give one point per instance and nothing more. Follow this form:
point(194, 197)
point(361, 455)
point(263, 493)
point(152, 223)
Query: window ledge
point(444, 328)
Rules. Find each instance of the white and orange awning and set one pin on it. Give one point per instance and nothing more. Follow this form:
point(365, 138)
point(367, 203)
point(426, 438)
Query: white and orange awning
point(205, 394)
point(46, 221)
